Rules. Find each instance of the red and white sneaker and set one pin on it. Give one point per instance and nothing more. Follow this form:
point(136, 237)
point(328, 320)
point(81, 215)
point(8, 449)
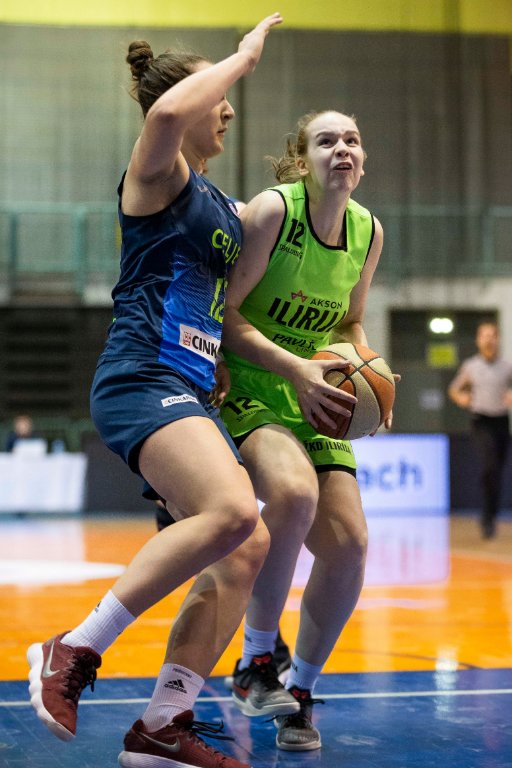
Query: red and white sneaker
point(177, 745)
point(58, 675)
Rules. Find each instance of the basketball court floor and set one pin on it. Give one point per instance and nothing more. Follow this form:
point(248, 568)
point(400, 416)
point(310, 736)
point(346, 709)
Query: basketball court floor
point(421, 678)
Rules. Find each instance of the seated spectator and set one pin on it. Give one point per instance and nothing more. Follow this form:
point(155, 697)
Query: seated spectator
point(22, 431)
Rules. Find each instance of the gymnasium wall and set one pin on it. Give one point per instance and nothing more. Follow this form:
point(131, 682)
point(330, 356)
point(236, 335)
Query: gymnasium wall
point(433, 109)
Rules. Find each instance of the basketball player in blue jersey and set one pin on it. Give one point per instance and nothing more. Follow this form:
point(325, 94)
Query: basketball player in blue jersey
point(150, 401)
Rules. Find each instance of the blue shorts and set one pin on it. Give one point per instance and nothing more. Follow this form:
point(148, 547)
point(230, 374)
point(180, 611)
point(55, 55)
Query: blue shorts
point(131, 399)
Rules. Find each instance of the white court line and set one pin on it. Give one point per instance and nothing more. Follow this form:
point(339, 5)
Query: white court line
point(337, 696)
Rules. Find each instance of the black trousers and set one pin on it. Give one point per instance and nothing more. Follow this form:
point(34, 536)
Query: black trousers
point(491, 439)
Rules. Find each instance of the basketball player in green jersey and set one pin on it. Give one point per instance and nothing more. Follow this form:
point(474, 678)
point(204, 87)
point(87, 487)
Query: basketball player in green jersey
point(301, 282)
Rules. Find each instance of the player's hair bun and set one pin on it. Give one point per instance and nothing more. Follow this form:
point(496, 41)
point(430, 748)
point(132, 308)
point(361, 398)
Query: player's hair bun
point(139, 58)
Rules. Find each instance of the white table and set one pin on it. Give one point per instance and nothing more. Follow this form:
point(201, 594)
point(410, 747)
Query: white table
point(49, 483)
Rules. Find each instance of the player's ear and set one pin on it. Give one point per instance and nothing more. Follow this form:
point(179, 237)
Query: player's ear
point(364, 160)
point(302, 166)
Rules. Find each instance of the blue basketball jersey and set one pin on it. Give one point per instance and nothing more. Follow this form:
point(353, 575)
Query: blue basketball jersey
point(169, 300)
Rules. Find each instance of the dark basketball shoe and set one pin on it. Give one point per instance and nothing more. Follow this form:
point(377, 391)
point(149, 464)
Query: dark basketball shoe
point(257, 691)
point(58, 675)
point(296, 733)
point(178, 745)
point(282, 660)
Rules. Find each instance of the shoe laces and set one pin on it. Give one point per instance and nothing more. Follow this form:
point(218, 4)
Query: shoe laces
point(199, 728)
point(208, 729)
point(81, 673)
point(302, 718)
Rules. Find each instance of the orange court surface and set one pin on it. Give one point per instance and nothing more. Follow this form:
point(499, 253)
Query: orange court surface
point(462, 621)
point(420, 677)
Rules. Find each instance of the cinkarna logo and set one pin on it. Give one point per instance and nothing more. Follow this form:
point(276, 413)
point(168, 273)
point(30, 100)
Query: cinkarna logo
point(199, 342)
point(178, 399)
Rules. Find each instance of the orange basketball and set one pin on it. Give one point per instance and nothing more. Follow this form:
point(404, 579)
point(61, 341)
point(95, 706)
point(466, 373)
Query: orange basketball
point(369, 378)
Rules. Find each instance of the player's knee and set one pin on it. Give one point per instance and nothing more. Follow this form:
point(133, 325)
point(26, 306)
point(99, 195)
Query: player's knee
point(237, 518)
point(348, 550)
point(293, 503)
point(258, 546)
point(359, 543)
point(356, 546)
point(250, 556)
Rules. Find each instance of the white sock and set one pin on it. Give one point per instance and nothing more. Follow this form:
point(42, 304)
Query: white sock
point(257, 642)
point(176, 690)
point(302, 674)
point(102, 626)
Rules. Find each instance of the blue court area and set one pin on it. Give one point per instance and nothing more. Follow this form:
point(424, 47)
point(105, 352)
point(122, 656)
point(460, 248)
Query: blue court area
point(443, 719)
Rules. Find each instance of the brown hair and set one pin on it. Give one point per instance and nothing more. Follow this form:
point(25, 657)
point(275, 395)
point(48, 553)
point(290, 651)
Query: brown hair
point(285, 167)
point(152, 77)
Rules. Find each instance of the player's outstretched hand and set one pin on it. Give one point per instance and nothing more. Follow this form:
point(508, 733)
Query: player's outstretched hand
point(252, 43)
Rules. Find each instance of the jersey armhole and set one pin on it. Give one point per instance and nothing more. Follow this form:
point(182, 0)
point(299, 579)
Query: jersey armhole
point(281, 228)
point(371, 242)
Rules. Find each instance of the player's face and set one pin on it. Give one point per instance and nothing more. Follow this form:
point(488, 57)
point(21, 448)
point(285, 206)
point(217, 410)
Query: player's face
point(206, 138)
point(334, 157)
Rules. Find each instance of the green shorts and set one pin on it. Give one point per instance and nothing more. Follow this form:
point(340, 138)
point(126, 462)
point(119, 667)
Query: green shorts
point(258, 397)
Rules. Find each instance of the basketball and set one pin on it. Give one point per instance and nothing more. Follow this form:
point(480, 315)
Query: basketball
point(369, 378)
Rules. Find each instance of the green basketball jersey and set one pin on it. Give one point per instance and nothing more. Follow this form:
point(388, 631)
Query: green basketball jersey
point(305, 291)
point(303, 295)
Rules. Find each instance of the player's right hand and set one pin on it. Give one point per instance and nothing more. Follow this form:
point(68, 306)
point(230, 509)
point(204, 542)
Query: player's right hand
point(252, 43)
point(315, 396)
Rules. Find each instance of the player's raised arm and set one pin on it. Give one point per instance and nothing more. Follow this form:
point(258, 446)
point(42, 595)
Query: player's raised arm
point(157, 158)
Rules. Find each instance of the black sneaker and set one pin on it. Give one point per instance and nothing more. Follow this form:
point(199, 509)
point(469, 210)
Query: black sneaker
point(488, 528)
point(282, 660)
point(296, 733)
point(257, 690)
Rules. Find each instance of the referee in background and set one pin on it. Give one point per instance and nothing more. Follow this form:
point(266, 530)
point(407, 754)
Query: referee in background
point(483, 386)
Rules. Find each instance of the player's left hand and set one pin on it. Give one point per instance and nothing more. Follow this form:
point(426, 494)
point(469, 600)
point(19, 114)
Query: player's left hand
point(388, 421)
point(222, 384)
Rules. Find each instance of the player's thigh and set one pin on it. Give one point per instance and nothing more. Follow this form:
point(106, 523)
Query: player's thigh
point(278, 464)
point(339, 522)
point(190, 463)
